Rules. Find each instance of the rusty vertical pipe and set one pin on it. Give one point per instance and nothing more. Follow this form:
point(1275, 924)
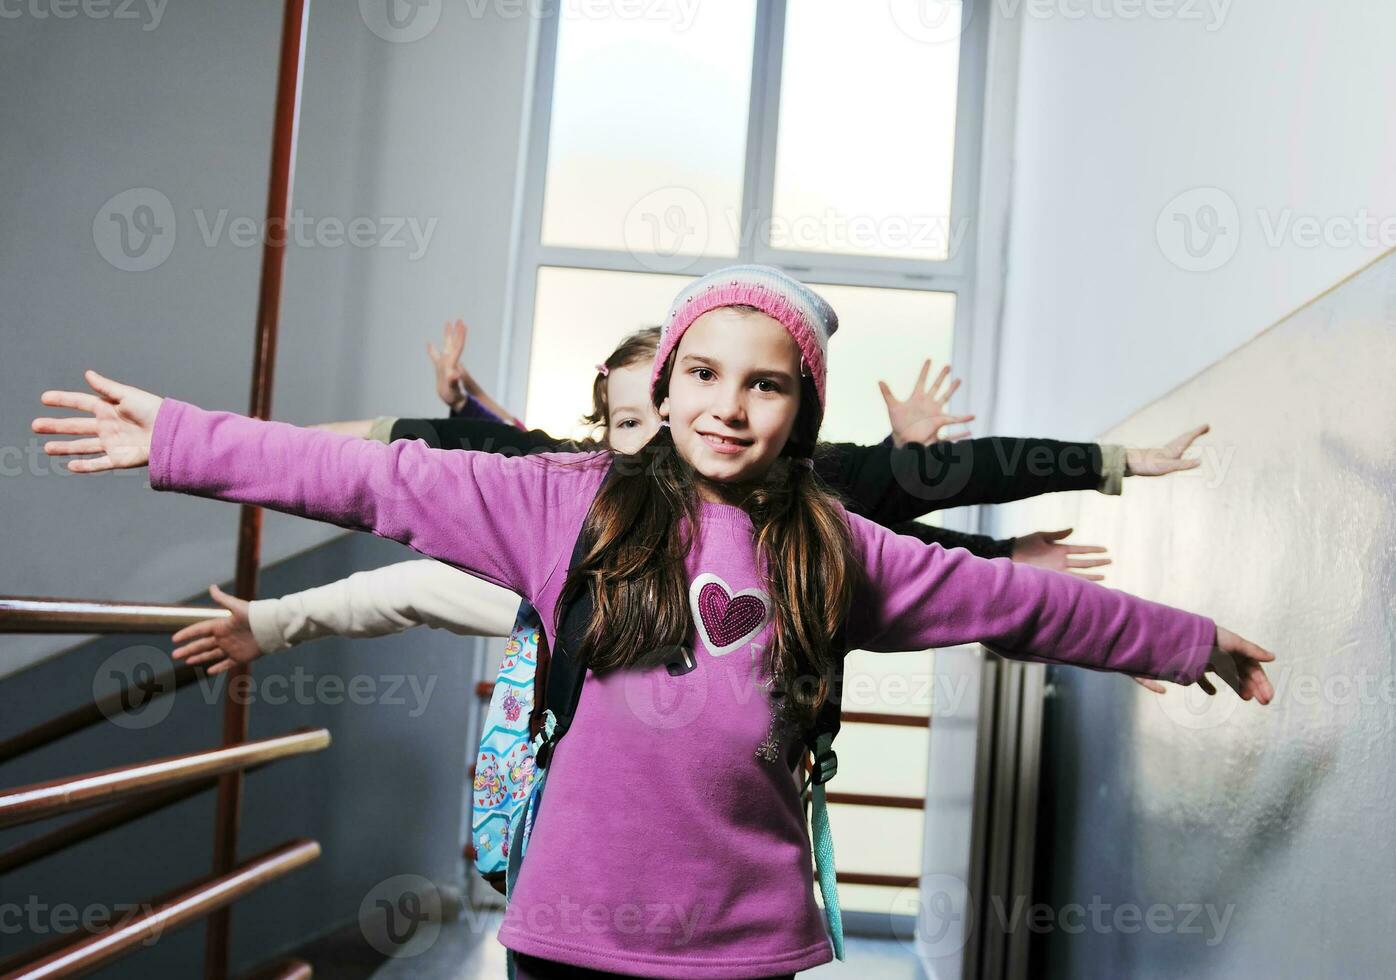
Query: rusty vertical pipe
point(283, 165)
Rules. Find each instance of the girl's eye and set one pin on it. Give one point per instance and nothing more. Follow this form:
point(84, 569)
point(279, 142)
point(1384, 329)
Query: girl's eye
point(770, 386)
point(702, 373)
point(628, 422)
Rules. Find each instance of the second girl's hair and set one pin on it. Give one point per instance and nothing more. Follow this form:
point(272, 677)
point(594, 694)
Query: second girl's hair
point(638, 348)
point(641, 526)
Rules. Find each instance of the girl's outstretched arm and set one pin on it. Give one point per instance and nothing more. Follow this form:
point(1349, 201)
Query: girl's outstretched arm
point(378, 602)
point(922, 596)
point(509, 520)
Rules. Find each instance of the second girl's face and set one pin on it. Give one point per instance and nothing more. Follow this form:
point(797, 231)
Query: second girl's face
point(734, 394)
point(632, 418)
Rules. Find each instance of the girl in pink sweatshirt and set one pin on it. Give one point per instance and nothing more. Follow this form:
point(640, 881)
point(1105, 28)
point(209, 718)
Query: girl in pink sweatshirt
point(673, 842)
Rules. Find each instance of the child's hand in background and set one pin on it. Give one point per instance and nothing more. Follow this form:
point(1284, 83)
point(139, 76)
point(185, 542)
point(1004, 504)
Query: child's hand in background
point(225, 642)
point(1165, 460)
point(1043, 549)
point(117, 433)
point(453, 381)
point(921, 417)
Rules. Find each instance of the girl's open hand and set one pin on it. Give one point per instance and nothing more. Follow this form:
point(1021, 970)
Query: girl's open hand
point(921, 417)
point(223, 643)
point(1166, 459)
point(1045, 550)
point(116, 429)
point(453, 381)
point(1238, 662)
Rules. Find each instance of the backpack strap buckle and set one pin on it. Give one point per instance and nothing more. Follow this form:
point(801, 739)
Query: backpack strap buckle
point(826, 761)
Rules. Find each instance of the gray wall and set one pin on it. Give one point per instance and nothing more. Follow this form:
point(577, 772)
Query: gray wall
point(385, 798)
point(1276, 819)
point(425, 130)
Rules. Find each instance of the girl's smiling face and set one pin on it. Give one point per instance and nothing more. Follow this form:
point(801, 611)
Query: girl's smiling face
point(632, 418)
point(734, 394)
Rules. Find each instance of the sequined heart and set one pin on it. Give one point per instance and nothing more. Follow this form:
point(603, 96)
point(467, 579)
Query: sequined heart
point(725, 619)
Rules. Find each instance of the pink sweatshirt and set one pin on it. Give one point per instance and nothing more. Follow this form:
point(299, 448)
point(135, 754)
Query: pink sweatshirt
point(671, 841)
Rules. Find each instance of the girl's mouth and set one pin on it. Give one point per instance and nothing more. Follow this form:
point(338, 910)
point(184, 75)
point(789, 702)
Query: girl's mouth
point(724, 444)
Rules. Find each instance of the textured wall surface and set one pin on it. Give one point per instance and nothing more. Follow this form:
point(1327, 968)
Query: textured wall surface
point(1275, 821)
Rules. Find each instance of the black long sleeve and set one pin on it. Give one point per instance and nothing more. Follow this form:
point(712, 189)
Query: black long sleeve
point(892, 486)
point(886, 485)
point(976, 544)
point(478, 434)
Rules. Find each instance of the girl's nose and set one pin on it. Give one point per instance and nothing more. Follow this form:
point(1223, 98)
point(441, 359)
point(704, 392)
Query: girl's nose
point(729, 406)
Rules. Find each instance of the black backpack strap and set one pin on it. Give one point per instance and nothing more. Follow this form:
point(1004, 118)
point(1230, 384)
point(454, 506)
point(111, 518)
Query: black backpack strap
point(562, 688)
point(826, 726)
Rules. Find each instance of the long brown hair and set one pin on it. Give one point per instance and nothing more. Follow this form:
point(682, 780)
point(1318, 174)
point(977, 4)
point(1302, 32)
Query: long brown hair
point(641, 525)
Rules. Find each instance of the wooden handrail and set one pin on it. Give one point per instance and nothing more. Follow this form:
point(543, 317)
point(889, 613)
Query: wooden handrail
point(77, 831)
point(92, 713)
point(868, 799)
point(875, 718)
point(289, 970)
point(37, 614)
point(37, 801)
point(196, 900)
point(858, 878)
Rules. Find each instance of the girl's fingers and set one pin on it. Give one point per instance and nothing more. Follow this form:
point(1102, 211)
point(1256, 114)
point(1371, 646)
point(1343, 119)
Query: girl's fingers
point(1206, 685)
point(1174, 465)
point(211, 656)
point(887, 394)
point(921, 378)
point(66, 426)
point(74, 447)
point(194, 631)
point(1088, 577)
point(956, 437)
point(940, 379)
point(112, 391)
point(99, 465)
point(1086, 562)
point(1185, 440)
point(79, 401)
point(198, 646)
point(959, 419)
point(954, 387)
point(1057, 535)
point(1084, 549)
point(223, 667)
point(1148, 683)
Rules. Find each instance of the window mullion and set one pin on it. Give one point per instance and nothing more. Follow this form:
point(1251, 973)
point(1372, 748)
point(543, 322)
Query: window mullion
point(758, 193)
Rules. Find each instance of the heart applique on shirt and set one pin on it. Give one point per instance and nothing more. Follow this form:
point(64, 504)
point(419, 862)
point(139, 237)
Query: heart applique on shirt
point(726, 619)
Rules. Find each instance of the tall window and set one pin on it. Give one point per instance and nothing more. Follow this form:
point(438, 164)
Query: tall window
point(836, 140)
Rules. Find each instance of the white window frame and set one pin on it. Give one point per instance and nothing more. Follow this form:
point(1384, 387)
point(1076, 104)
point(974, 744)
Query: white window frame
point(975, 361)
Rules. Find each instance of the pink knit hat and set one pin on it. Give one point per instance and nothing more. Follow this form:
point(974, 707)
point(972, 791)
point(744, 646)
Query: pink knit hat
point(810, 320)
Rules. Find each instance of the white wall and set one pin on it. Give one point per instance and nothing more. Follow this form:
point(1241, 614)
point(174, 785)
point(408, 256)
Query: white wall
point(424, 131)
point(1281, 107)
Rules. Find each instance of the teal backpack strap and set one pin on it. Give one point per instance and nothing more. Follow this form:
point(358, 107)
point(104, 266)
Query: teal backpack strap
point(826, 764)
